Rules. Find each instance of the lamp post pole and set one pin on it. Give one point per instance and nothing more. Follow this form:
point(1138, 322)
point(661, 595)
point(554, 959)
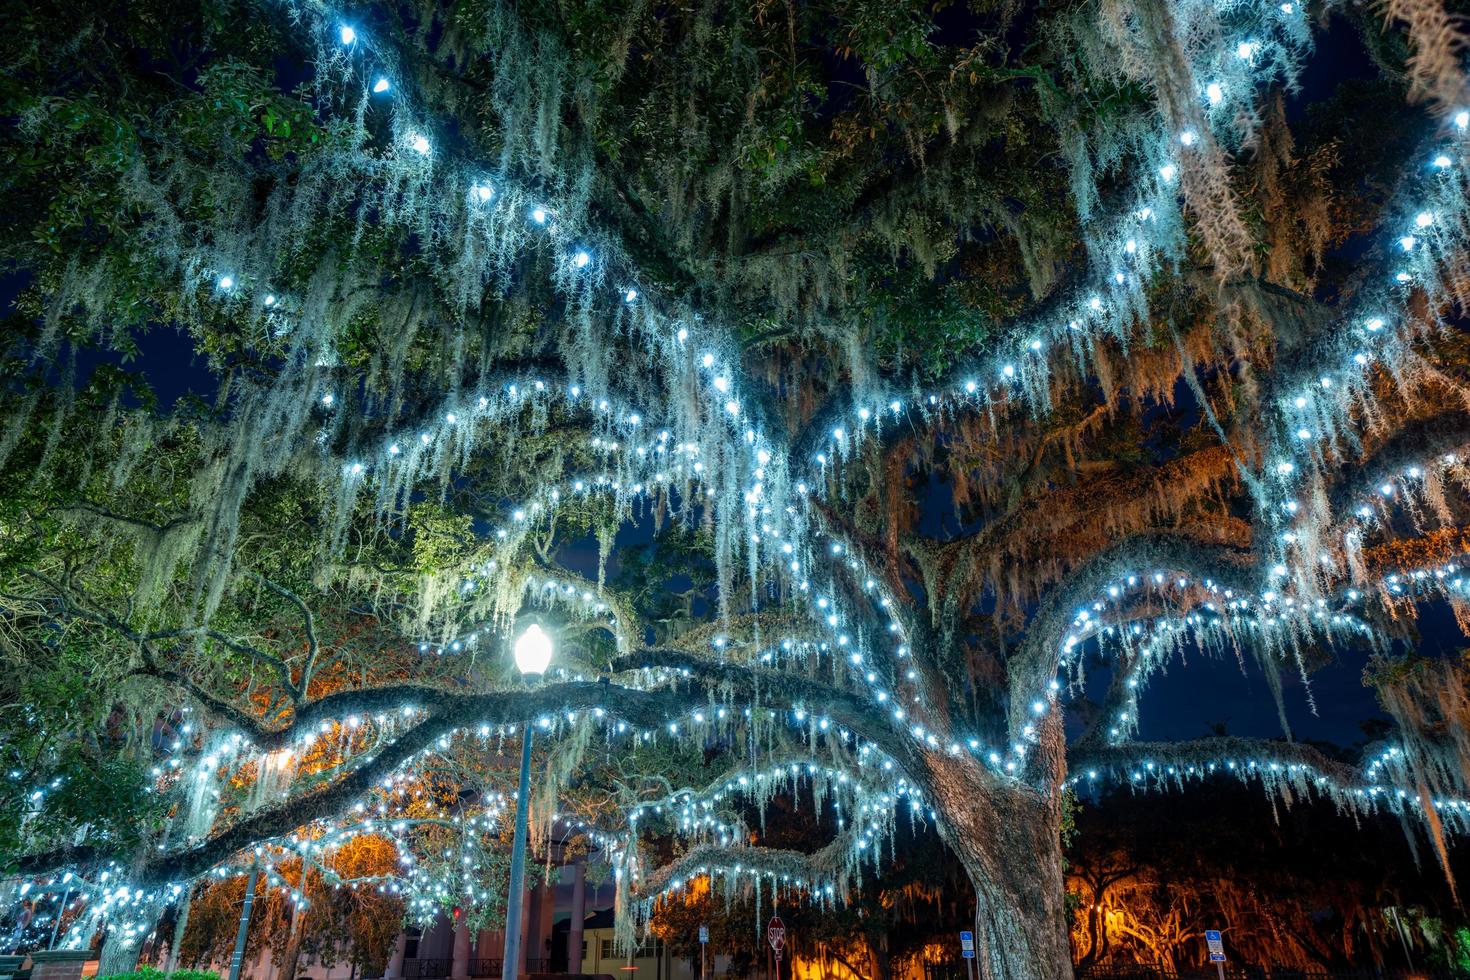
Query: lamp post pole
point(237, 959)
point(56, 927)
point(511, 964)
point(533, 656)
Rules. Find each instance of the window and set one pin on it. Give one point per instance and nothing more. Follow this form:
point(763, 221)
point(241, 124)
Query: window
point(607, 950)
point(411, 943)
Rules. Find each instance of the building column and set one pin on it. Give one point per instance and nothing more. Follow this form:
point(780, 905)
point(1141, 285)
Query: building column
point(579, 915)
point(528, 930)
point(486, 946)
point(459, 964)
point(543, 941)
point(395, 962)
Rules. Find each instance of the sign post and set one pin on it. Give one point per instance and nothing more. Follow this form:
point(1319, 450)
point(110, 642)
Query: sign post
point(967, 950)
point(703, 942)
point(1217, 950)
point(776, 936)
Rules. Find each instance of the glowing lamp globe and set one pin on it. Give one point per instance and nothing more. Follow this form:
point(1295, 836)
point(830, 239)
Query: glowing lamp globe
point(533, 650)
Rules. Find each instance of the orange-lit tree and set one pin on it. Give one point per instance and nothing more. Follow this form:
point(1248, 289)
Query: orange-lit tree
point(1291, 889)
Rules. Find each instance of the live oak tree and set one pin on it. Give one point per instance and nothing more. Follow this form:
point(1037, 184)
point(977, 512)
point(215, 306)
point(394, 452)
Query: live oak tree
point(838, 379)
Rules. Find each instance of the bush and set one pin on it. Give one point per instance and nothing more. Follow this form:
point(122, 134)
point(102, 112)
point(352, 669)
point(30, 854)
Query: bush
point(153, 973)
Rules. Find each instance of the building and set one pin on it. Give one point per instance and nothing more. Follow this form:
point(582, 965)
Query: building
point(444, 951)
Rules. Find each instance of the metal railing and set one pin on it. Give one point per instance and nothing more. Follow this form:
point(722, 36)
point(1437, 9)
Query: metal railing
point(440, 969)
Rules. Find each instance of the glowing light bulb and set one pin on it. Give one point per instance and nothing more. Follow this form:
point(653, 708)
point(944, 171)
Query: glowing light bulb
point(347, 34)
point(1442, 162)
point(484, 192)
point(581, 259)
point(1462, 119)
point(381, 85)
point(533, 650)
point(1214, 93)
point(1376, 323)
point(1188, 137)
point(1423, 219)
point(1246, 50)
point(630, 296)
point(420, 144)
point(1167, 171)
point(225, 282)
point(1408, 242)
point(539, 216)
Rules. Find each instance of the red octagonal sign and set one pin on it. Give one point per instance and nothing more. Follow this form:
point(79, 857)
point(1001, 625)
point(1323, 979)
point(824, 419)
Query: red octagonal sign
point(776, 935)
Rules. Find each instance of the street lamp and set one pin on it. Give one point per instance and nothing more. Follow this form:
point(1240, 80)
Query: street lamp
point(533, 656)
point(533, 651)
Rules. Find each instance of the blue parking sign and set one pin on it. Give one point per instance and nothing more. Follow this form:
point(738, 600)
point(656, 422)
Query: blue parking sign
point(1217, 947)
point(967, 945)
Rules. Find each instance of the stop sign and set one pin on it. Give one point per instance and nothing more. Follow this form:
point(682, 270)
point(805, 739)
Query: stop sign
point(776, 935)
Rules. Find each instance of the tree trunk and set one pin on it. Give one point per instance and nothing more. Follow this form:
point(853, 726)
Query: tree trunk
point(882, 963)
point(1008, 837)
point(291, 962)
point(1100, 930)
point(119, 952)
point(181, 925)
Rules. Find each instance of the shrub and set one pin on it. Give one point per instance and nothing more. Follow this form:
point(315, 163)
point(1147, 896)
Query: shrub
point(153, 973)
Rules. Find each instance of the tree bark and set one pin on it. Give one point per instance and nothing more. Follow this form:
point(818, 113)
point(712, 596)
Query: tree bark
point(291, 961)
point(181, 925)
point(878, 948)
point(119, 956)
point(1008, 837)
